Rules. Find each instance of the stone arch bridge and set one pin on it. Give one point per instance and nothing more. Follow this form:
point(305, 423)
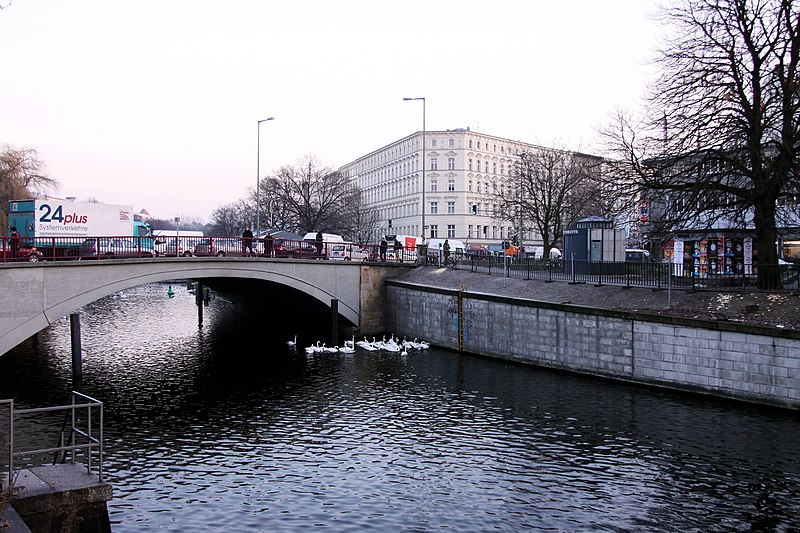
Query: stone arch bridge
point(36, 295)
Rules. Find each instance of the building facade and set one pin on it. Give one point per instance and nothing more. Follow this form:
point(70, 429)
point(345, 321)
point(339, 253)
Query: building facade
point(462, 171)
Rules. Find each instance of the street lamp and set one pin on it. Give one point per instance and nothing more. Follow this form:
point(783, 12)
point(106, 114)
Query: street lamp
point(423, 162)
point(258, 176)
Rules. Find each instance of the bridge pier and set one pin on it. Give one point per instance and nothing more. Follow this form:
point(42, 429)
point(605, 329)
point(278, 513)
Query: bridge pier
point(334, 322)
point(77, 357)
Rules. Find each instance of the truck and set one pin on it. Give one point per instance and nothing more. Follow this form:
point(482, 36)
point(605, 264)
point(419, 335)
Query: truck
point(61, 228)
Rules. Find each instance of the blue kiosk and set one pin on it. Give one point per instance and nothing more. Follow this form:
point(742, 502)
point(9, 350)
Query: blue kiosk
point(593, 244)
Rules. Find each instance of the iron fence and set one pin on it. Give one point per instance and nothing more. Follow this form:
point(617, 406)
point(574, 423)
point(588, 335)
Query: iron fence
point(628, 274)
point(79, 430)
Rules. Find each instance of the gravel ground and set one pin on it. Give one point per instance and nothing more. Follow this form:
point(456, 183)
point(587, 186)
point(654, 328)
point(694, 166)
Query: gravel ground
point(770, 309)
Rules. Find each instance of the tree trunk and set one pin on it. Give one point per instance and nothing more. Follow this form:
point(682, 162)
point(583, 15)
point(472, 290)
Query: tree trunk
point(769, 276)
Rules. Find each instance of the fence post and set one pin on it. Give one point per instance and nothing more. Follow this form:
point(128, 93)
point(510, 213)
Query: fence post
point(572, 263)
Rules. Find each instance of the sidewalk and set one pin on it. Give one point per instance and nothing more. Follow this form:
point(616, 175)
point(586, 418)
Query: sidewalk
point(771, 309)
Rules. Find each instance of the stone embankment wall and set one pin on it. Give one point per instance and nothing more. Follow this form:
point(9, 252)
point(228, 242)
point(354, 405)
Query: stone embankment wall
point(721, 358)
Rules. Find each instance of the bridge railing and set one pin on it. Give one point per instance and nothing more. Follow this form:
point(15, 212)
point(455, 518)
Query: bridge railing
point(78, 426)
point(626, 273)
point(121, 247)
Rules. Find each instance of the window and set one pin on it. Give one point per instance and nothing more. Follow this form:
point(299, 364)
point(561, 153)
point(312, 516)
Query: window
point(502, 169)
point(452, 143)
point(470, 185)
point(433, 143)
point(451, 208)
point(434, 231)
point(479, 145)
point(479, 186)
point(494, 168)
point(486, 168)
point(451, 163)
point(434, 207)
point(451, 184)
point(451, 231)
point(434, 185)
point(434, 164)
point(470, 164)
point(469, 231)
point(494, 232)
point(470, 143)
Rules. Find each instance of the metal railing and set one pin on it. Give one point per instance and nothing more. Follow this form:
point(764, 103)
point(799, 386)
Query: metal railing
point(81, 431)
point(628, 274)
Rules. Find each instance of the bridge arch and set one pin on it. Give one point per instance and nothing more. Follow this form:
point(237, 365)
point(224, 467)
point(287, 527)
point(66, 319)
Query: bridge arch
point(38, 295)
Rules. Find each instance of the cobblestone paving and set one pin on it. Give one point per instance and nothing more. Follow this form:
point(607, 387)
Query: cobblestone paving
point(771, 309)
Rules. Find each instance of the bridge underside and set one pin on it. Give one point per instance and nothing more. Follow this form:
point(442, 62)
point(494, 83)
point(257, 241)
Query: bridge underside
point(282, 306)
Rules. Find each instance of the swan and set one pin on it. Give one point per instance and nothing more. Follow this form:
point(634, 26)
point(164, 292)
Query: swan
point(332, 349)
point(292, 343)
point(347, 349)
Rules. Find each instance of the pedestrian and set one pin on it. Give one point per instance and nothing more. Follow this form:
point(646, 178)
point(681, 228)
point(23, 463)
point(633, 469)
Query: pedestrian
point(318, 242)
point(446, 250)
point(268, 242)
point(14, 243)
point(247, 242)
point(382, 249)
point(398, 250)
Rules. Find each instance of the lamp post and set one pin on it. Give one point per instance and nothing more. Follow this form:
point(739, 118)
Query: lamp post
point(258, 176)
point(423, 162)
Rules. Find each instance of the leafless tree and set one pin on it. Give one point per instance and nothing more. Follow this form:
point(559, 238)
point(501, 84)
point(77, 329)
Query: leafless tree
point(275, 213)
point(316, 197)
point(21, 174)
point(230, 219)
point(362, 222)
point(719, 136)
point(549, 189)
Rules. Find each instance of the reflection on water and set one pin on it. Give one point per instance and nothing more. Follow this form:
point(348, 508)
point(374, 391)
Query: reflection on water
point(221, 428)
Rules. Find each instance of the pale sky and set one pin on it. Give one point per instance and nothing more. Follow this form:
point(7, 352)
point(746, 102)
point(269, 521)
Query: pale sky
point(155, 104)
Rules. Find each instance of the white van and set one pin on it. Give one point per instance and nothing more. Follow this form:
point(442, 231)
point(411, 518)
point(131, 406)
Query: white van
point(328, 240)
point(436, 253)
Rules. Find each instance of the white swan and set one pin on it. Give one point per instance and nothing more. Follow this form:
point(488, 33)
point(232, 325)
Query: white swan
point(293, 343)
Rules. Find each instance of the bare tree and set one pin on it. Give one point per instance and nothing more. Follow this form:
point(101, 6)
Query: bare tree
point(549, 189)
point(316, 197)
point(719, 138)
point(21, 174)
point(362, 222)
point(275, 213)
point(230, 219)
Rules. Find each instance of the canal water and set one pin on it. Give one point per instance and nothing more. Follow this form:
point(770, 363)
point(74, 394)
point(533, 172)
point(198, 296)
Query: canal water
point(222, 428)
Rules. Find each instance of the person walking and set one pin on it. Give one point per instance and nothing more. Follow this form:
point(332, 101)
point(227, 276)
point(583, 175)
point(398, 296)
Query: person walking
point(398, 250)
point(382, 249)
point(14, 243)
point(318, 242)
point(247, 242)
point(446, 250)
point(268, 242)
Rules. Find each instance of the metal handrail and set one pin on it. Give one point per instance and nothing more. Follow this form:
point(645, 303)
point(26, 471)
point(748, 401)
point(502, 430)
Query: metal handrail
point(91, 435)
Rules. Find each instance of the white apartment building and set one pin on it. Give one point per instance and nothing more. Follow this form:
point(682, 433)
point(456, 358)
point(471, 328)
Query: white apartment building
point(462, 170)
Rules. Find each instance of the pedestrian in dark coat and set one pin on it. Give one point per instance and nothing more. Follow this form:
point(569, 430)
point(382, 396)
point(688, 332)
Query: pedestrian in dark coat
point(382, 248)
point(247, 242)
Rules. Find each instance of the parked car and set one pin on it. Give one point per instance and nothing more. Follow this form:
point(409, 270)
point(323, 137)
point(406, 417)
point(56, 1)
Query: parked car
point(634, 255)
point(219, 247)
point(347, 252)
point(114, 247)
point(31, 255)
point(294, 249)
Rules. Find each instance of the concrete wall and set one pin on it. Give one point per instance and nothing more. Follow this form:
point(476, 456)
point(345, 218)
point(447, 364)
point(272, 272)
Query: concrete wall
point(721, 358)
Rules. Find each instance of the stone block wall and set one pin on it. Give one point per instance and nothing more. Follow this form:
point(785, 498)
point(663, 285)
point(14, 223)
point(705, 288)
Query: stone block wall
point(725, 359)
